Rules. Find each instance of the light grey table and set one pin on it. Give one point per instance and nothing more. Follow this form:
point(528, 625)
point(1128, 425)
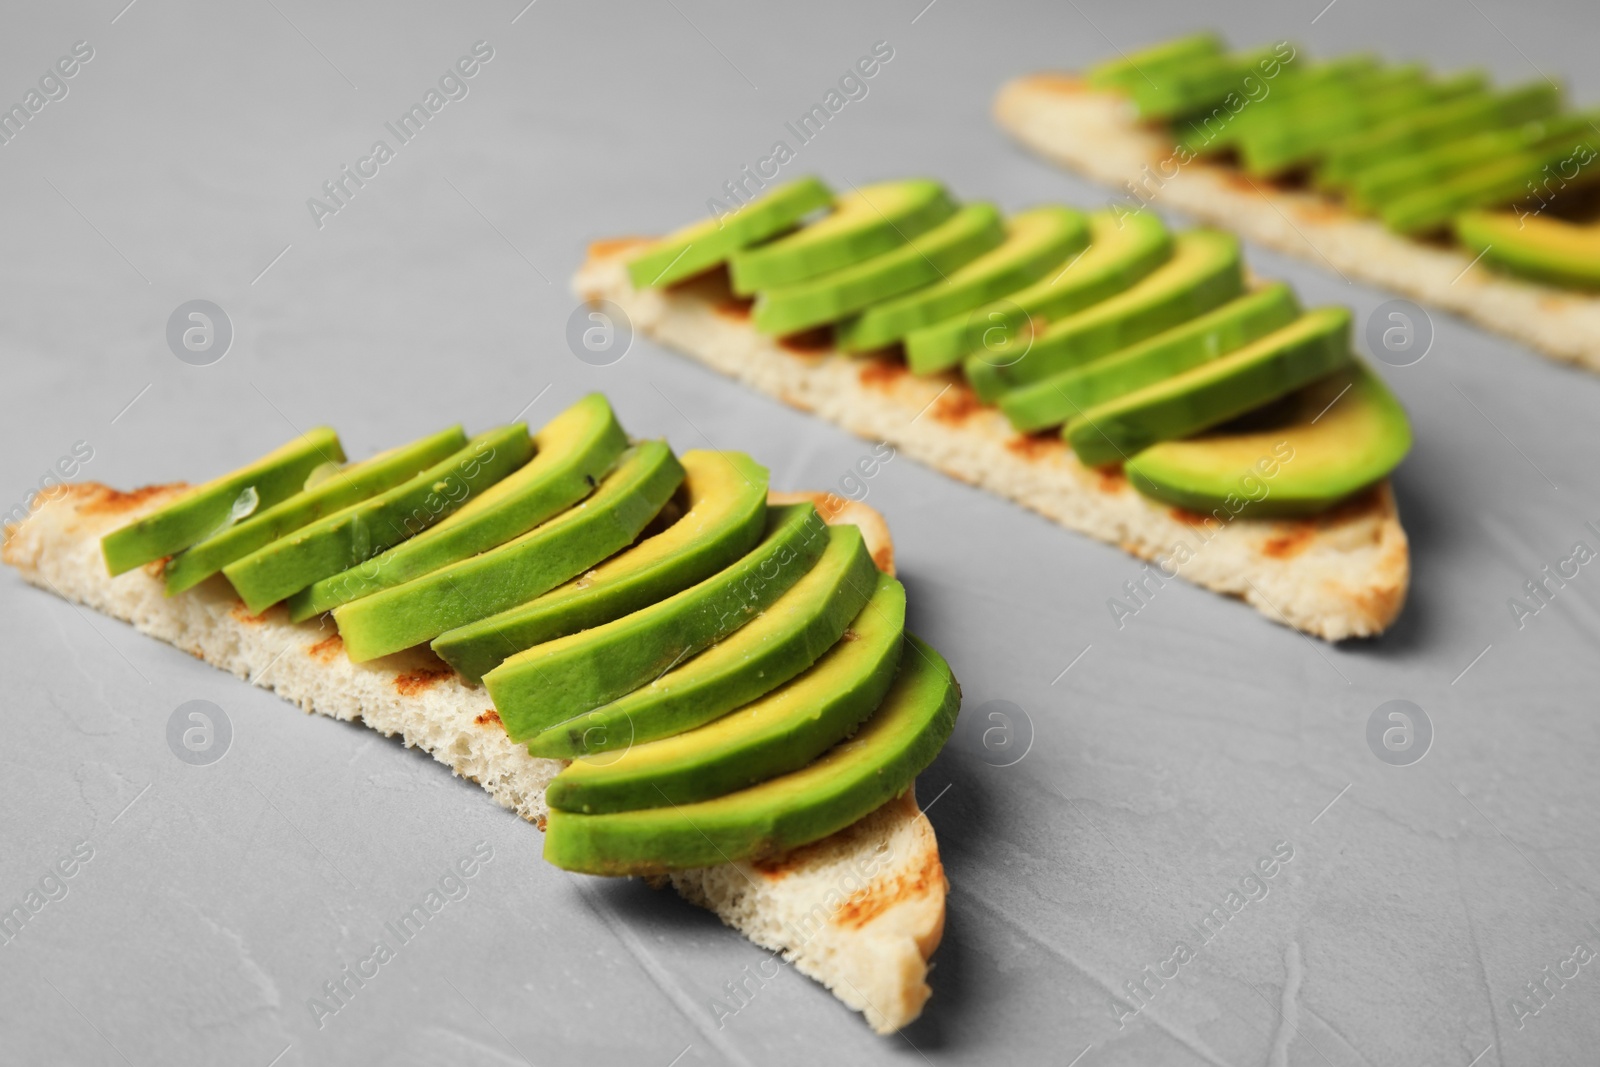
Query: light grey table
point(1175, 754)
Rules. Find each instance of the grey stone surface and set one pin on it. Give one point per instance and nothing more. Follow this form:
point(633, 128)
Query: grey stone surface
point(1175, 754)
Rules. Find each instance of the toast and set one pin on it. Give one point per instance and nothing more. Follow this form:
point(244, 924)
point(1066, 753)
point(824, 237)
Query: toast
point(1341, 574)
point(1064, 120)
point(860, 911)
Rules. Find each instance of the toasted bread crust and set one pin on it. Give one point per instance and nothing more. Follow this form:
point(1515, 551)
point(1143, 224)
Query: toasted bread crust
point(1060, 118)
point(1339, 575)
point(868, 939)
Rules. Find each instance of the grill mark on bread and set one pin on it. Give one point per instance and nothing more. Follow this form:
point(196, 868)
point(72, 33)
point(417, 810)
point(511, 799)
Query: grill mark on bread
point(410, 683)
point(881, 373)
point(956, 405)
point(808, 342)
point(614, 246)
point(327, 649)
point(1035, 446)
point(242, 613)
point(1289, 545)
point(879, 896)
point(489, 718)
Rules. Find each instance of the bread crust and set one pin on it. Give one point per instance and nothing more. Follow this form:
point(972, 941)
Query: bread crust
point(860, 911)
point(1339, 575)
point(1096, 133)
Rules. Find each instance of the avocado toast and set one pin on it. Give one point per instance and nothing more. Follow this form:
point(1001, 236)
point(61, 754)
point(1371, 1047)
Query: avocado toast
point(1126, 381)
point(1474, 197)
point(737, 702)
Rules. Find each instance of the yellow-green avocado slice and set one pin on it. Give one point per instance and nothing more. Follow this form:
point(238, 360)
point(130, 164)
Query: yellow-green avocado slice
point(781, 732)
point(1314, 345)
point(1298, 456)
point(519, 570)
point(564, 678)
point(852, 779)
point(778, 644)
point(339, 489)
point(203, 510)
point(361, 531)
point(724, 513)
point(1541, 247)
point(958, 240)
point(865, 222)
point(571, 453)
point(702, 245)
point(1037, 242)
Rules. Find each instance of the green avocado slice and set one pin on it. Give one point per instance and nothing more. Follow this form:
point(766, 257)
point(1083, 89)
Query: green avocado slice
point(1191, 86)
point(205, 509)
point(571, 453)
point(1311, 347)
point(1538, 246)
point(360, 531)
point(518, 570)
point(781, 642)
point(725, 512)
point(1123, 248)
point(853, 778)
point(1203, 273)
point(1154, 61)
point(865, 222)
point(927, 258)
point(562, 679)
point(1268, 100)
point(339, 489)
point(1054, 400)
point(702, 245)
point(781, 732)
point(1296, 457)
point(1037, 243)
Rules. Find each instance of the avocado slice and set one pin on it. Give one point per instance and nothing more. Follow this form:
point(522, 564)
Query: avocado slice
point(1190, 86)
point(518, 570)
point(571, 453)
point(562, 679)
point(1203, 273)
point(725, 512)
point(1298, 456)
point(1296, 87)
point(1311, 347)
point(362, 530)
point(781, 642)
point(702, 245)
point(1154, 61)
point(205, 509)
point(925, 259)
point(1037, 243)
point(339, 489)
point(1123, 248)
point(852, 779)
point(1539, 246)
point(865, 222)
point(1501, 182)
point(1057, 399)
point(781, 732)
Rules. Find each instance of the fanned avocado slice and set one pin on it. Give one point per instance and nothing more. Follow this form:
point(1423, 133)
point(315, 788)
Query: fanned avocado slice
point(1235, 324)
point(1539, 246)
point(1299, 456)
point(781, 732)
point(205, 509)
point(784, 640)
point(1192, 86)
point(1500, 182)
point(724, 514)
point(518, 570)
point(865, 222)
point(1037, 243)
point(1123, 248)
point(1155, 61)
point(702, 245)
point(562, 679)
point(849, 781)
point(361, 531)
point(1296, 88)
point(339, 489)
point(1311, 347)
point(1204, 272)
point(958, 240)
point(572, 452)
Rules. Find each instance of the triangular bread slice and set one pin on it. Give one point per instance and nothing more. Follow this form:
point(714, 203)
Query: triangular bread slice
point(1339, 575)
point(860, 911)
point(1096, 133)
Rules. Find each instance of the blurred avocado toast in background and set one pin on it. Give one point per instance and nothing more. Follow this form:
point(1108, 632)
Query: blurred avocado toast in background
point(672, 671)
point(1478, 198)
point(1128, 382)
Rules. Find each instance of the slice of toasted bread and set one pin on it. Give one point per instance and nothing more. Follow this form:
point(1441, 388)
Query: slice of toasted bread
point(1096, 133)
point(860, 911)
point(1342, 574)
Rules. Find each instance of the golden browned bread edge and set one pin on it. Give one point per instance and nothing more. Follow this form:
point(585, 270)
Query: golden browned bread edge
point(1340, 575)
point(860, 911)
point(1095, 133)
